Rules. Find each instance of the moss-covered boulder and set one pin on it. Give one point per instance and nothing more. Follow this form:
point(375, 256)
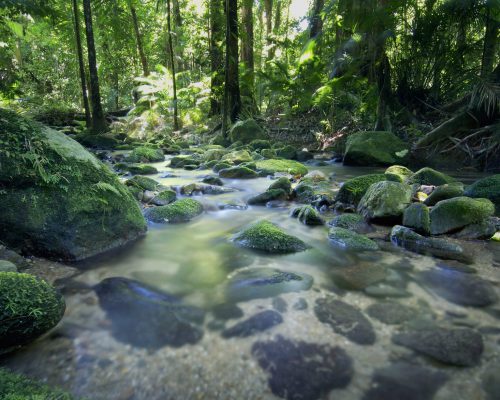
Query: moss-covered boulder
point(288, 166)
point(352, 222)
point(375, 149)
point(282, 183)
point(29, 307)
point(213, 180)
point(220, 166)
point(183, 161)
point(397, 173)
point(214, 154)
point(237, 157)
point(142, 182)
point(238, 173)
point(429, 176)
point(146, 154)
point(141, 169)
point(354, 189)
point(57, 199)
point(458, 212)
point(267, 196)
point(246, 131)
point(268, 153)
point(385, 200)
point(487, 188)
point(165, 197)
point(417, 217)
point(288, 152)
point(307, 215)
point(17, 387)
point(260, 144)
point(100, 141)
point(443, 192)
point(182, 210)
point(350, 240)
point(268, 237)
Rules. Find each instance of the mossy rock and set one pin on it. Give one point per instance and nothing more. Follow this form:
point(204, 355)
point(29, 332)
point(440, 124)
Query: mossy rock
point(29, 307)
point(444, 192)
point(237, 157)
point(282, 183)
point(146, 154)
point(304, 155)
point(71, 206)
point(184, 160)
point(385, 200)
point(214, 154)
point(375, 149)
point(268, 237)
point(350, 240)
point(140, 169)
point(397, 173)
point(246, 131)
point(352, 222)
point(183, 210)
point(142, 182)
point(100, 141)
point(288, 166)
point(165, 197)
point(417, 217)
point(17, 387)
point(354, 189)
point(268, 195)
point(213, 180)
point(288, 152)
point(487, 188)
point(307, 215)
point(238, 173)
point(429, 176)
point(7, 266)
point(458, 212)
point(260, 144)
point(250, 165)
point(220, 166)
point(268, 153)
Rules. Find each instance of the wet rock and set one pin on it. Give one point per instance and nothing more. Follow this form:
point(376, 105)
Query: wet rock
point(214, 155)
point(213, 180)
point(374, 149)
point(385, 200)
point(257, 323)
point(349, 240)
point(307, 215)
point(482, 230)
point(345, 320)
point(254, 283)
point(491, 381)
point(487, 188)
point(303, 155)
point(142, 182)
point(233, 205)
point(384, 290)
point(163, 198)
point(7, 266)
point(444, 192)
point(300, 304)
point(279, 304)
point(268, 237)
point(146, 317)
point(352, 222)
point(237, 157)
point(287, 166)
point(289, 152)
point(282, 183)
point(459, 288)
point(391, 313)
point(182, 210)
point(405, 381)
point(417, 217)
point(237, 173)
point(354, 189)
point(203, 188)
point(458, 346)
point(227, 311)
point(429, 176)
point(397, 173)
point(302, 370)
point(359, 276)
point(267, 196)
point(185, 160)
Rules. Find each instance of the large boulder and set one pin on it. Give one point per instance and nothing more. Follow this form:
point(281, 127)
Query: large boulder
point(29, 307)
point(487, 188)
point(182, 210)
point(385, 200)
point(458, 212)
point(417, 217)
point(354, 189)
point(238, 172)
point(146, 154)
point(58, 199)
point(237, 157)
point(374, 149)
point(246, 131)
point(287, 166)
point(429, 176)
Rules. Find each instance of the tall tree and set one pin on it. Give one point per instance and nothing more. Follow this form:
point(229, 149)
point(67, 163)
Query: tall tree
point(316, 21)
point(81, 65)
point(268, 8)
point(490, 42)
point(232, 100)
point(172, 64)
point(216, 8)
point(247, 54)
point(98, 119)
point(138, 38)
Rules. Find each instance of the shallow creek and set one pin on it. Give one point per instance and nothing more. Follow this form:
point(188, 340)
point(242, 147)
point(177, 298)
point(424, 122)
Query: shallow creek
point(303, 353)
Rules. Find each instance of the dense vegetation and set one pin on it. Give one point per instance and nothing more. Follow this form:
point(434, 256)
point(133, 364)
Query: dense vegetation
point(426, 70)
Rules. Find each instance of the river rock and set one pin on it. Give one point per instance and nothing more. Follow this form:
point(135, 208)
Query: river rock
point(267, 196)
point(165, 197)
point(307, 215)
point(352, 222)
point(143, 183)
point(289, 152)
point(146, 154)
point(286, 166)
point(140, 169)
point(213, 180)
point(182, 210)
point(345, 320)
point(417, 217)
point(256, 283)
point(350, 240)
point(486, 188)
point(374, 149)
point(146, 317)
point(397, 173)
point(483, 230)
point(354, 189)
point(238, 173)
point(390, 312)
point(259, 322)
point(491, 380)
point(461, 347)
point(429, 176)
point(7, 266)
point(302, 370)
point(282, 183)
point(385, 200)
point(203, 188)
point(246, 131)
point(444, 192)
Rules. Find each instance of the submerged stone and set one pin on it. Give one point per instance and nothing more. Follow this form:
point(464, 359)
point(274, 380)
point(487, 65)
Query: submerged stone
point(259, 322)
point(461, 347)
point(256, 283)
point(302, 370)
point(350, 240)
point(359, 276)
point(204, 188)
point(182, 210)
point(146, 317)
point(345, 320)
point(390, 312)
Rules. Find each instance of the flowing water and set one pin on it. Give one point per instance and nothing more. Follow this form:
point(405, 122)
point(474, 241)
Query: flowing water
point(301, 353)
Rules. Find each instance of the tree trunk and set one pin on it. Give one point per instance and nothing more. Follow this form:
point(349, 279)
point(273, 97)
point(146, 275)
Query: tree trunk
point(268, 8)
point(384, 94)
point(216, 55)
point(276, 27)
point(142, 55)
point(171, 51)
point(316, 24)
point(490, 43)
point(98, 120)
point(232, 100)
point(247, 54)
point(81, 65)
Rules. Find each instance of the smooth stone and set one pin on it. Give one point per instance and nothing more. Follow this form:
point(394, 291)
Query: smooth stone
point(300, 304)
point(279, 305)
point(359, 276)
point(257, 323)
point(345, 320)
point(383, 290)
point(391, 313)
point(203, 188)
point(302, 370)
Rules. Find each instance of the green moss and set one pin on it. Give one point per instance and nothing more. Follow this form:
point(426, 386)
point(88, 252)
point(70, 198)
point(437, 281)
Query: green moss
point(288, 166)
point(288, 152)
point(351, 240)
point(136, 192)
point(429, 176)
point(268, 237)
point(142, 182)
point(221, 165)
point(269, 195)
point(282, 183)
point(452, 214)
point(165, 197)
point(238, 173)
point(268, 153)
point(443, 192)
point(214, 154)
point(101, 141)
point(17, 387)
point(487, 188)
point(307, 215)
point(246, 131)
point(180, 211)
point(417, 217)
point(260, 144)
point(7, 266)
point(375, 148)
point(353, 222)
point(184, 160)
point(354, 189)
point(146, 154)
point(29, 307)
point(385, 200)
point(139, 169)
point(237, 157)
point(397, 173)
